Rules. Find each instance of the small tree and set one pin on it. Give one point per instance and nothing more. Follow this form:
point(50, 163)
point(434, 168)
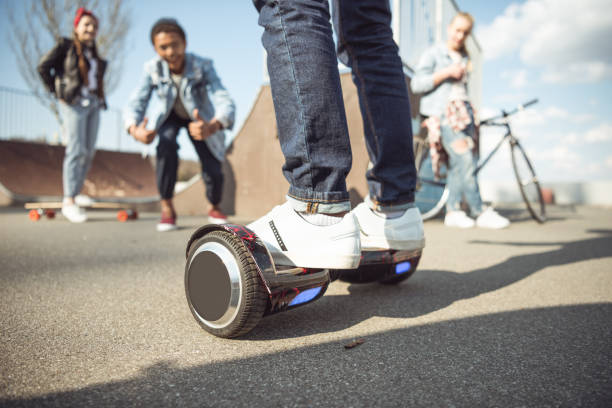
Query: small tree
point(37, 25)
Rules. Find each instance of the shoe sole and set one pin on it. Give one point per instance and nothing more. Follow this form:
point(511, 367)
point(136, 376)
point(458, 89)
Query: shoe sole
point(459, 226)
point(314, 260)
point(218, 221)
point(74, 221)
point(381, 244)
point(164, 228)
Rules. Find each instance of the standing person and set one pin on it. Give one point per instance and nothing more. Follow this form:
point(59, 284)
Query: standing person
point(316, 227)
point(193, 97)
point(442, 76)
point(74, 73)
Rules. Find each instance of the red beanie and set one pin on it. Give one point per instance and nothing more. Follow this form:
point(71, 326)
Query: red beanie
point(82, 11)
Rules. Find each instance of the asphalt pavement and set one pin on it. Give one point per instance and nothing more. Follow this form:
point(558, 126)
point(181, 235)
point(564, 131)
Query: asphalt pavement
point(95, 315)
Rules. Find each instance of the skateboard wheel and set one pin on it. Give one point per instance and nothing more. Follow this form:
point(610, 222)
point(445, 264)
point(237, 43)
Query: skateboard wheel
point(223, 287)
point(50, 214)
point(124, 215)
point(34, 215)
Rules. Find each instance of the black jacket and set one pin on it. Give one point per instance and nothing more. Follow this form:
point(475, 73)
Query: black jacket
point(60, 73)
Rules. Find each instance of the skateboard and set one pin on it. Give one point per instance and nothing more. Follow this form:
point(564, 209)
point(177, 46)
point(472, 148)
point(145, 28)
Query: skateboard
point(48, 209)
point(231, 281)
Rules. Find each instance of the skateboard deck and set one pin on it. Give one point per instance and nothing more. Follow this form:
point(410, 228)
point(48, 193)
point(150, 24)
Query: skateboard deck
point(48, 209)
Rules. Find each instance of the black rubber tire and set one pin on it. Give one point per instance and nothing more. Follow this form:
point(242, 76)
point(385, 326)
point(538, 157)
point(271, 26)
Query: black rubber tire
point(254, 297)
point(363, 274)
point(528, 183)
point(372, 273)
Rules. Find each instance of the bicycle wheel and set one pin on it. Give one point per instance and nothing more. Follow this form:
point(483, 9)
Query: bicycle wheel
point(528, 183)
point(431, 193)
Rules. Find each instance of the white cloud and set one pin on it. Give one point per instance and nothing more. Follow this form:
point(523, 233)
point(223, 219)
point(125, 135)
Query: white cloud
point(570, 40)
point(561, 157)
point(535, 117)
point(583, 117)
point(517, 78)
point(597, 134)
point(608, 162)
point(580, 72)
point(601, 133)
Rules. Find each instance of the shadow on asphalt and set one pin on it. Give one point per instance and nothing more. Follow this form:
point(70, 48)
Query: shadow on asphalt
point(426, 292)
point(519, 215)
point(559, 356)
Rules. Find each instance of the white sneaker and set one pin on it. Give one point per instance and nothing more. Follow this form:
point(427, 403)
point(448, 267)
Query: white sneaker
point(83, 201)
point(491, 219)
point(293, 241)
point(379, 232)
point(458, 219)
point(73, 213)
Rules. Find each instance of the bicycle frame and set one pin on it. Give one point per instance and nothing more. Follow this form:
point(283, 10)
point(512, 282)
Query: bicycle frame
point(508, 136)
point(432, 200)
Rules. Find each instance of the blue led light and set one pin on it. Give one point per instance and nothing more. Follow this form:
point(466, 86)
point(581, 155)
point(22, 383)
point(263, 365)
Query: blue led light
point(305, 296)
point(402, 267)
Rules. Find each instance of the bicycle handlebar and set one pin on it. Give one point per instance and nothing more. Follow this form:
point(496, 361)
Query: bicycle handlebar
point(505, 114)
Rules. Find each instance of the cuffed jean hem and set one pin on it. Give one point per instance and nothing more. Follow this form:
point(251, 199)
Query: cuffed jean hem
point(388, 207)
point(316, 206)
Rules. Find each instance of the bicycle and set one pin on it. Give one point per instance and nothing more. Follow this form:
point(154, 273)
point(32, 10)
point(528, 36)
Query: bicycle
point(432, 193)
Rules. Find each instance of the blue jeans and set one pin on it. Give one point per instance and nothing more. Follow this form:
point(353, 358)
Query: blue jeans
point(80, 125)
point(310, 114)
point(167, 161)
point(460, 179)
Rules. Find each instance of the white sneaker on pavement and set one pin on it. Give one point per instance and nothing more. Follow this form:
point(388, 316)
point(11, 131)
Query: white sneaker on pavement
point(294, 241)
point(73, 213)
point(491, 219)
point(458, 219)
point(379, 232)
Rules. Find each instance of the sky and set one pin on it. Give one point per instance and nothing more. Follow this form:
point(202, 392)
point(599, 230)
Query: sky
point(558, 51)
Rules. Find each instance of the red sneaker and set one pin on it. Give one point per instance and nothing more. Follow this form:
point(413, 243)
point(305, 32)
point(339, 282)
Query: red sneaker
point(167, 223)
point(216, 217)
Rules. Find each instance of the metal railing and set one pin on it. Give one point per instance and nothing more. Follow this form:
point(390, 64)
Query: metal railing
point(23, 117)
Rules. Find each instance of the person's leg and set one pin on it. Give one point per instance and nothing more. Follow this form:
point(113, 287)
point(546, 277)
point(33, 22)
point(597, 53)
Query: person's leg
point(212, 175)
point(388, 218)
point(308, 102)
point(460, 177)
point(91, 136)
point(471, 191)
point(365, 44)
point(313, 133)
point(74, 126)
point(459, 163)
point(166, 169)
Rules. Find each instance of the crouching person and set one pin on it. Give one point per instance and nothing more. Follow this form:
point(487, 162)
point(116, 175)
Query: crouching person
point(192, 97)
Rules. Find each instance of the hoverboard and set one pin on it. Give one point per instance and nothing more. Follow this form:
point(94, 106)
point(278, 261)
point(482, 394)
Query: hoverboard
point(231, 281)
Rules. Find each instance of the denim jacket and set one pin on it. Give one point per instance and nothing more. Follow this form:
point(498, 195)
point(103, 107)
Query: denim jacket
point(434, 99)
point(200, 89)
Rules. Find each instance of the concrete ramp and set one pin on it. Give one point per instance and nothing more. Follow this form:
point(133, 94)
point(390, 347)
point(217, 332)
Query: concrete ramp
point(33, 172)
